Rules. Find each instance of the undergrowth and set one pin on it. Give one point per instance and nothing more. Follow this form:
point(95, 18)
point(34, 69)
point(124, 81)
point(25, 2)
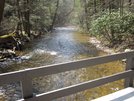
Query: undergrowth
point(115, 30)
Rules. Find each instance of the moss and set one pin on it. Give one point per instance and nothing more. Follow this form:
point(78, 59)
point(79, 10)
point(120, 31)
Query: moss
point(5, 36)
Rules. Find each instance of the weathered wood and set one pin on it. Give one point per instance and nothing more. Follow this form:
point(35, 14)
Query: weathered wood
point(53, 69)
point(26, 75)
point(129, 66)
point(12, 77)
point(79, 87)
point(27, 90)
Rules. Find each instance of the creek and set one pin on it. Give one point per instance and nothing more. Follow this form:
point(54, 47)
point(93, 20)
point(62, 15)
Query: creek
point(64, 44)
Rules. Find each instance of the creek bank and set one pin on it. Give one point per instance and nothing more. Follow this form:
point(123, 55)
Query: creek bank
point(115, 49)
point(10, 43)
point(6, 54)
point(12, 92)
point(101, 46)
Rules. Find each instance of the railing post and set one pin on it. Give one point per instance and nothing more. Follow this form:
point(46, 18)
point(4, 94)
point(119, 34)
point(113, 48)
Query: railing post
point(129, 66)
point(26, 86)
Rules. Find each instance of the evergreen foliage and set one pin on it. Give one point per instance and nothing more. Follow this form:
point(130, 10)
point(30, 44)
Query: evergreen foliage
point(113, 26)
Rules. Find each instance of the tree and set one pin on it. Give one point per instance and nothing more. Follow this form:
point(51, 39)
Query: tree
point(103, 4)
point(26, 21)
point(65, 9)
point(55, 15)
point(86, 13)
point(95, 9)
point(130, 4)
point(121, 7)
point(2, 4)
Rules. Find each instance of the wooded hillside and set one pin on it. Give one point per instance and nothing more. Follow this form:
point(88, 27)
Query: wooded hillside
point(109, 20)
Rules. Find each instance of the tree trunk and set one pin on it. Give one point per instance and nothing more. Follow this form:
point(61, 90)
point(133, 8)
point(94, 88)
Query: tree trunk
point(95, 10)
point(103, 4)
point(2, 4)
point(55, 15)
point(130, 4)
point(113, 4)
point(26, 20)
point(121, 7)
point(19, 25)
point(109, 6)
point(86, 14)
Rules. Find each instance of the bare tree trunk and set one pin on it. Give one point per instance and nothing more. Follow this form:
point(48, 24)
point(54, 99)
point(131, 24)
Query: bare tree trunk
point(55, 15)
point(95, 9)
point(86, 14)
point(121, 7)
point(26, 20)
point(103, 5)
point(113, 4)
point(109, 6)
point(111, 29)
point(2, 4)
point(19, 27)
point(130, 4)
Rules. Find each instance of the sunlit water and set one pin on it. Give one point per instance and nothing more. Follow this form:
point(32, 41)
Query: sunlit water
point(64, 44)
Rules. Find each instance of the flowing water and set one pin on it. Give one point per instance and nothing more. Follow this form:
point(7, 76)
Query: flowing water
point(64, 44)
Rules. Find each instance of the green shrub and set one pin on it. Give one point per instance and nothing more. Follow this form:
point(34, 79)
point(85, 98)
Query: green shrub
point(113, 26)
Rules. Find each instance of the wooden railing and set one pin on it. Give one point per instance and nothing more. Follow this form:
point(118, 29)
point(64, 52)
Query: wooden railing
point(25, 76)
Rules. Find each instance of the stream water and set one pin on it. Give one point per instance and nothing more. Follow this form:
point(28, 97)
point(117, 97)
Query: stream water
point(63, 44)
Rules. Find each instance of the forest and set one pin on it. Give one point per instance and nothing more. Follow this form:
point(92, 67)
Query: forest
point(21, 21)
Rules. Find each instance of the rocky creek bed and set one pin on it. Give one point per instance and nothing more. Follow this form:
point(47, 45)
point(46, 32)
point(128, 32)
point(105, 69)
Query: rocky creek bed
point(100, 46)
point(10, 92)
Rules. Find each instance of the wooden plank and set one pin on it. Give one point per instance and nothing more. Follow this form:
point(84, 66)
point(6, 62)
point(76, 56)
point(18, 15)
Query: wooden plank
point(47, 70)
point(27, 90)
point(129, 66)
point(12, 77)
point(79, 87)
point(126, 94)
point(53, 69)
